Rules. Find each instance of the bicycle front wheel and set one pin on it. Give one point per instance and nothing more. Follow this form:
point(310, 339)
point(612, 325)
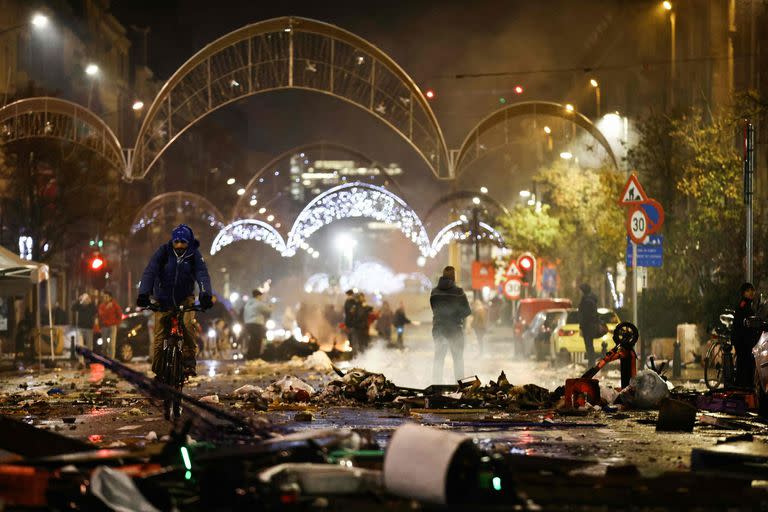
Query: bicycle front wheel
point(713, 366)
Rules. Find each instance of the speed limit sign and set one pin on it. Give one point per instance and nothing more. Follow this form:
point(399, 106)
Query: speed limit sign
point(512, 289)
point(637, 225)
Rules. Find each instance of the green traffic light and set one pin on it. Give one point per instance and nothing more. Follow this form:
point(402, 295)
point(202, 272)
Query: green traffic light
point(101, 243)
point(185, 456)
point(496, 483)
point(502, 100)
point(92, 243)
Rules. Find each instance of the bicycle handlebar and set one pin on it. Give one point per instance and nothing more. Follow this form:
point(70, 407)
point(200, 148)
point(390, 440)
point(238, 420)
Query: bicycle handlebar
point(159, 309)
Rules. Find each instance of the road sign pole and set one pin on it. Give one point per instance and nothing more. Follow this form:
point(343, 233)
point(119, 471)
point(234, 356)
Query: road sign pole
point(634, 282)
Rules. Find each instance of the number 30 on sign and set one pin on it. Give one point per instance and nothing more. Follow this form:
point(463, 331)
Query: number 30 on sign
point(637, 225)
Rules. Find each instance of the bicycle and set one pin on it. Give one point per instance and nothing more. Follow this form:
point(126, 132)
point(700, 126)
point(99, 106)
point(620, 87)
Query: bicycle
point(719, 361)
point(171, 365)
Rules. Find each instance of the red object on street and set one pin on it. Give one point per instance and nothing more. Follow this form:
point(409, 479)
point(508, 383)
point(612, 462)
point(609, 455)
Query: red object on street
point(580, 392)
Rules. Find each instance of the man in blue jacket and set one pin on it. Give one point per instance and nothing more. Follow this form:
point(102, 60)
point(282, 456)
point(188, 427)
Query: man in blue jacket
point(170, 277)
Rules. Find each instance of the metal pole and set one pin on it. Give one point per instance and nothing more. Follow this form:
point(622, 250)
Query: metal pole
point(634, 283)
point(749, 173)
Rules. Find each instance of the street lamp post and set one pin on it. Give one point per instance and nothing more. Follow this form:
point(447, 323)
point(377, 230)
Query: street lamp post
point(596, 85)
point(38, 21)
point(672, 50)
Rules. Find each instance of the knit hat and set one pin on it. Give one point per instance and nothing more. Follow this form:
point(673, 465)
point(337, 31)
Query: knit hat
point(183, 232)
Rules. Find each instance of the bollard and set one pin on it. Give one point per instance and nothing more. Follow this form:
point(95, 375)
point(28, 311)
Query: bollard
point(677, 363)
point(72, 342)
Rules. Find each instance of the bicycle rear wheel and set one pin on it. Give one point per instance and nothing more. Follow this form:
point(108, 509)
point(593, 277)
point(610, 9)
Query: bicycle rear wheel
point(713, 366)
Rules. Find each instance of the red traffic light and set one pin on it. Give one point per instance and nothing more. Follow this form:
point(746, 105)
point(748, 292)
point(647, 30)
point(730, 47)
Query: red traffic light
point(97, 263)
point(430, 94)
point(525, 263)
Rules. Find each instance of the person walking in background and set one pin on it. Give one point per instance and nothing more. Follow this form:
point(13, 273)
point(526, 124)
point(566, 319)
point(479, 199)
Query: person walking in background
point(480, 323)
point(364, 317)
point(399, 321)
point(450, 308)
point(589, 323)
point(110, 316)
point(85, 315)
point(744, 337)
point(384, 322)
point(350, 311)
point(256, 312)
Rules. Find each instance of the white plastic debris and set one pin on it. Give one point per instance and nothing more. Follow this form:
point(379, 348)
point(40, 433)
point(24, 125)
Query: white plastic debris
point(646, 390)
point(117, 490)
point(151, 437)
point(210, 399)
point(287, 388)
point(248, 390)
point(318, 361)
point(608, 394)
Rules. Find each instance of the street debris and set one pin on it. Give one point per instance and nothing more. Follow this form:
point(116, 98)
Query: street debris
point(646, 390)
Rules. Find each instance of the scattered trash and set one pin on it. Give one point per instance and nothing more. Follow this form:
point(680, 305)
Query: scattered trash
point(730, 405)
point(288, 389)
point(151, 437)
point(319, 360)
point(248, 390)
point(210, 399)
point(646, 390)
point(128, 427)
point(55, 391)
point(675, 416)
point(68, 419)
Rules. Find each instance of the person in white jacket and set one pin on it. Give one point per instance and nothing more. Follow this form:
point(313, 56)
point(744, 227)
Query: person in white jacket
point(256, 312)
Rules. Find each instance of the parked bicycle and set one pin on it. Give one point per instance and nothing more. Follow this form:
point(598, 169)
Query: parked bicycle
point(720, 359)
point(171, 367)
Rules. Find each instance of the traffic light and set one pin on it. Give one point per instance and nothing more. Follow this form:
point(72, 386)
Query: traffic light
point(430, 94)
point(527, 265)
point(97, 270)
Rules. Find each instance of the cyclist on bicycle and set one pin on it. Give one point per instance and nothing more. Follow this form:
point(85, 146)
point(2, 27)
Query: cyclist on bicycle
point(170, 276)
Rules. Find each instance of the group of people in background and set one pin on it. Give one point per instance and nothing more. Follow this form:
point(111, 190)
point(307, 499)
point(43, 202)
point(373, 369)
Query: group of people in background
point(359, 316)
point(103, 319)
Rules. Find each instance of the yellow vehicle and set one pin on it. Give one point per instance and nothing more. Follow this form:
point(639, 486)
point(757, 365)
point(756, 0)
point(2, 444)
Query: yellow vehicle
point(568, 337)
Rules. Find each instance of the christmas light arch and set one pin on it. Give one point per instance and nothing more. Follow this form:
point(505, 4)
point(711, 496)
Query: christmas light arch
point(356, 200)
point(249, 229)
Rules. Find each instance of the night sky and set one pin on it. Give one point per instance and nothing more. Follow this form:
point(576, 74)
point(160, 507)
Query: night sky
point(433, 41)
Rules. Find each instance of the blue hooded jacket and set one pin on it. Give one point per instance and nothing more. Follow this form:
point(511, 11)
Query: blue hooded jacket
point(171, 278)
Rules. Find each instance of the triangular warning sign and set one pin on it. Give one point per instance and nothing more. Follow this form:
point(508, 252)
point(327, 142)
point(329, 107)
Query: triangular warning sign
point(513, 270)
point(633, 192)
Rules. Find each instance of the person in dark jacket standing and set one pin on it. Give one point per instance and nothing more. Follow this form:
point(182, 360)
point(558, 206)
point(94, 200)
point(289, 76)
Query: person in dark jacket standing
point(589, 323)
point(449, 310)
point(171, 276)
point(744, 337)
point(85, 314)
point(351, 306)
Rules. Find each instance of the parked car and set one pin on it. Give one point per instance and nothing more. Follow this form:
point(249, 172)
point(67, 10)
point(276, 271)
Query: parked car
point(527, 309)
point(536, 338)
point(760, 351)
point(568, 336)
point(133, 336)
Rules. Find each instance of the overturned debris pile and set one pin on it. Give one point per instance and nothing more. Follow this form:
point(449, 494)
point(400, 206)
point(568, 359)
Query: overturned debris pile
point(361, 386)
point(502, 394)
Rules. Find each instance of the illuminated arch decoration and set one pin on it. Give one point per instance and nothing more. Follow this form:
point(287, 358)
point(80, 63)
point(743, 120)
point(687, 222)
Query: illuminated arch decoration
point(54, 118)
point(241, 208)
point(352, 200)
point(356, 200)
point(250, 229)
point(458, 230)
point(492, 132)
point(486, 200)
point(187, 202)
point(290, 53)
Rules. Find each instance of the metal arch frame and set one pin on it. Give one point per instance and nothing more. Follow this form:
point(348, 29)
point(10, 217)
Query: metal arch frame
point(445, 235)
point(52, 109)
point(243, 229)
point(290, 25)
point(464, 194)
point(178, 195)
point(298, 234)
point(547, 108)
point(240, 204)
